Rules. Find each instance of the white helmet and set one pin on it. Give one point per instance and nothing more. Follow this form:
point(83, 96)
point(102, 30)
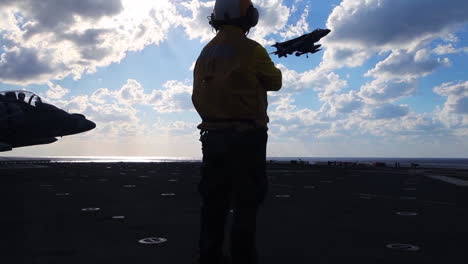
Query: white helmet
point(241, 13)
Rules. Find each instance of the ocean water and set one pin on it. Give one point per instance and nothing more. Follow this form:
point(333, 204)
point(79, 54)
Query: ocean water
point(104, 159)
point(456, 163)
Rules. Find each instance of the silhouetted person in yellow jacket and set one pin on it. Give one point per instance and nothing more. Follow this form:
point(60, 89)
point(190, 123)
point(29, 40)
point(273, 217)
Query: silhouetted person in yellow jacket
point(231, 78)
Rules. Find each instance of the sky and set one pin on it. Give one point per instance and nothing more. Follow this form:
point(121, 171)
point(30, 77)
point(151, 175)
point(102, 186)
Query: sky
point(391, 80)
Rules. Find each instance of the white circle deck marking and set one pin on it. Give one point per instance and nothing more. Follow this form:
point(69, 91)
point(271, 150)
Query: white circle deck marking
point(403, 247)
point(152, 240)
point(118, 217)
point(91, 209)
point(129, 186)
point(62, 194)
point(407, 213)
point(167, 194)
point(283, 196)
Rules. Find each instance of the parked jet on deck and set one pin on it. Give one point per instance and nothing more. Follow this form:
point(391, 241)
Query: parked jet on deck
point(25, 120)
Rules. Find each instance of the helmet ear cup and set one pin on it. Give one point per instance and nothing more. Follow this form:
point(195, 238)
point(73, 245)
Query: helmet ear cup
point(252, 16)
point(213, 22)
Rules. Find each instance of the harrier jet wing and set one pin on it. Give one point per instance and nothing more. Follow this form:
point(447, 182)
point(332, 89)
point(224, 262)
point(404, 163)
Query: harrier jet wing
point(302, 45)
point(25, 120)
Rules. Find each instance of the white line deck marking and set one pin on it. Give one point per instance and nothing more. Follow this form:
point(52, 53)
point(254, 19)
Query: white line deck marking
point(118, 217)
point(450, 180)
point(153, 240)
point(403, 247)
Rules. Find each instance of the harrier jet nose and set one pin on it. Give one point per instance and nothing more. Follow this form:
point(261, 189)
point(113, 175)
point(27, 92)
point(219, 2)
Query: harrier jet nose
point(87, 125)
point(83, 124)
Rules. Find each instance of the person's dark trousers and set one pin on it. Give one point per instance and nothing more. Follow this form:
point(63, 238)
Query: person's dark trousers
point(233, 176)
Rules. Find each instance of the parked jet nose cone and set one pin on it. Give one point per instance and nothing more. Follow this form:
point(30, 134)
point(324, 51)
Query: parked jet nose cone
point(82, 124)
point(86, 125)
point(75, 125)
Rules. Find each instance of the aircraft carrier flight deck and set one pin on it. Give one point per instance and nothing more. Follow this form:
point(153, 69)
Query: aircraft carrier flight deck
point(99, 213)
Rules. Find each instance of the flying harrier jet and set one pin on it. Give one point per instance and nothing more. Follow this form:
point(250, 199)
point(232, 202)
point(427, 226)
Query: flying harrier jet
point(301, 45)
point(25, 120)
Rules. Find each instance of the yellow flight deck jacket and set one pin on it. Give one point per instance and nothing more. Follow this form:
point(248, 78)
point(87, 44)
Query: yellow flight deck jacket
point(231, 78)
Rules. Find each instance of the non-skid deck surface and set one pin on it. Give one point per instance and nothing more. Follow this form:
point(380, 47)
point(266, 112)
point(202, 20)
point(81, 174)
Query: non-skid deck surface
point(311, 215)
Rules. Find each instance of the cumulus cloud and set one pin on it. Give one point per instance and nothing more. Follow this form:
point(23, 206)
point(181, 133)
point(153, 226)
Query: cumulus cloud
point(102, 96)
point(57, 15)
point(361, 28)
point(340, 112)
point(196, 25)
point(116, 111)
point(7, 20)
point(131, 93)
point(274, 17)
point(457, 97)
point(394, 22)
point(76, 104)
point(324, 82)
point(56, 91)
point(299, 28)
point(402, 29)
point(408, 127)
point(346, 103)
point(407, 65)
point(383, 90)
point(397, 75)
point(448, 49)
point(338, 56)
point(359, 121)
point(19, 64)
point(109, 113)
point(51, 39)
point(175, 97)
point(351, 114)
